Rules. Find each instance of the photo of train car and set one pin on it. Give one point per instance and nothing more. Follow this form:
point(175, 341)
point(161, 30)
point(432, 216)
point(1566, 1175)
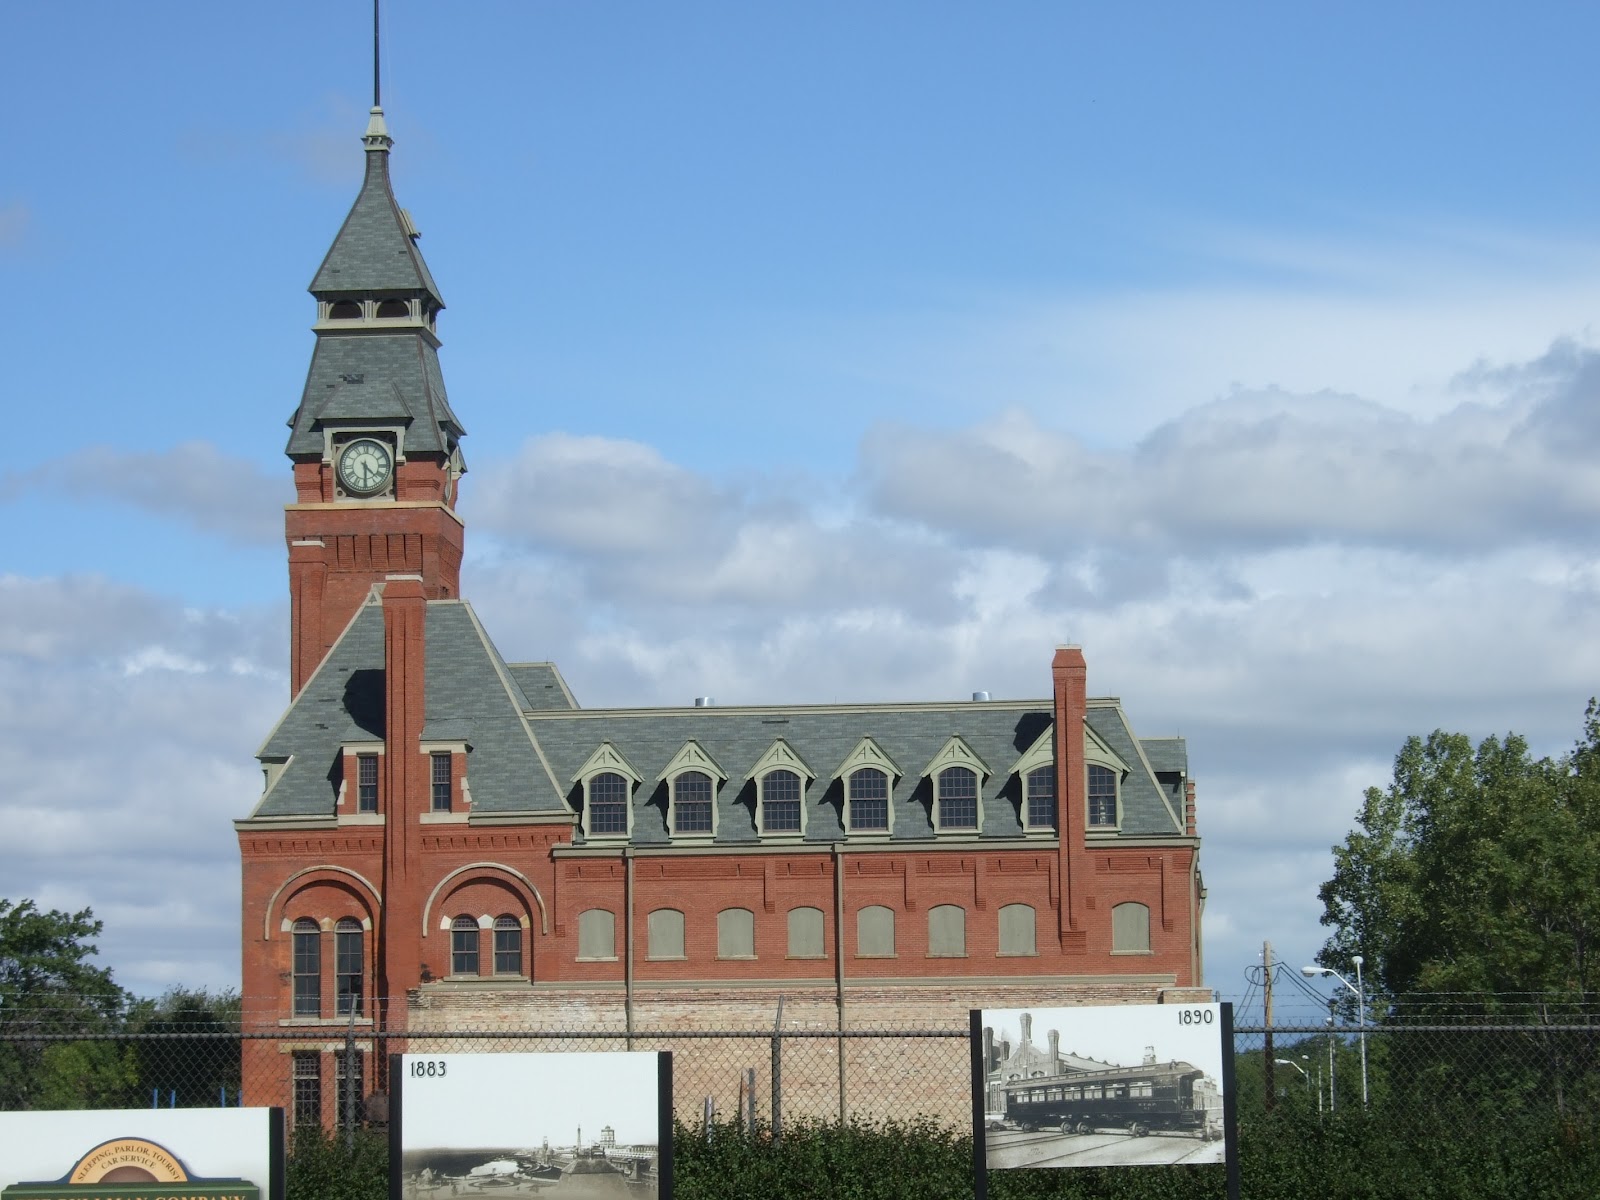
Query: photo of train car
point(1155, 1096)
point(1111, 1085)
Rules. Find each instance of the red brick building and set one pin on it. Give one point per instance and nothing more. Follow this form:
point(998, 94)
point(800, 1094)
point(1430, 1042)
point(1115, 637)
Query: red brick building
point(446, 839)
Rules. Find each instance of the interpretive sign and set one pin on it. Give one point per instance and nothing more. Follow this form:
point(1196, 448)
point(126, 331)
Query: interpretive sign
point(517, 1125)
point(1102, 1086)
point(134, 1154)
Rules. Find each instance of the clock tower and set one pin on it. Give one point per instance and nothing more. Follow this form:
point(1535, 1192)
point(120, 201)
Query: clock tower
point(375, 446)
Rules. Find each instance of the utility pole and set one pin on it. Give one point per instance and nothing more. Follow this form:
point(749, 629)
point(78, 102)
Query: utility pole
point(1266, 987)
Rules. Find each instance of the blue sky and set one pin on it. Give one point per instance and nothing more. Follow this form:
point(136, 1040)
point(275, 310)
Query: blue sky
point(816, 352)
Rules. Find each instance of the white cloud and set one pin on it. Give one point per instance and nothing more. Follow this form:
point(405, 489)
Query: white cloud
point(1266, 469)
point(122, 782)
point(194, 483)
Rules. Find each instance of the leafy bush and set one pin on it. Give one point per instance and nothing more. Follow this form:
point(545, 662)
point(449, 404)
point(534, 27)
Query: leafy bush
point(1287, 1154)
point(323, 1166)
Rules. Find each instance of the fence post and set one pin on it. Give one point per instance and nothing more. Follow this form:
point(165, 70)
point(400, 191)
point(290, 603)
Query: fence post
point(777, 1074)
point(350, 1092)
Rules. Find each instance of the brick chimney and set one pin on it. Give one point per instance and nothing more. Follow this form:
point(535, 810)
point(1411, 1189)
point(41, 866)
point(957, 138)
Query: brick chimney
point(1070, 675)
point(405, 785)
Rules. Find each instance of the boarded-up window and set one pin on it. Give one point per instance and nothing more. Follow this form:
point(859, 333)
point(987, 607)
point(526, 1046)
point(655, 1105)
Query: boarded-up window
point(947, 931)
point(666, 933)
point(736, 933)
point(1130, 929)
point(597, 934)
point(1016, 930)
point(875, 932)
point(805, 933)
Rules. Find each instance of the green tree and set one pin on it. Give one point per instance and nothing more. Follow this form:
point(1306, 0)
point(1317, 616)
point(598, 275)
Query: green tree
point(187, 1046)
point(1473, 872)
point(48, 988)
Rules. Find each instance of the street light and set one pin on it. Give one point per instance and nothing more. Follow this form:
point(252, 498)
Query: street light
point(1289, 1062)
point(1361, 1008)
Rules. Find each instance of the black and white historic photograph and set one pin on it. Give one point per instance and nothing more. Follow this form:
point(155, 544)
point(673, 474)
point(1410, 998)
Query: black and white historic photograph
point(559, 1126)
point(1113, 1085)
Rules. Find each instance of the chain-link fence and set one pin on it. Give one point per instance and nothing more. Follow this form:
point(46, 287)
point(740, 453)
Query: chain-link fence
point(334, 1075)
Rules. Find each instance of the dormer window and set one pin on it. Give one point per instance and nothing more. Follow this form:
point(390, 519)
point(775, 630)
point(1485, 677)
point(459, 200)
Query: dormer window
point(607, 805)
point(1102, 797)
point(781, 778)
point(869, 800)
point(608, 781)
point(1037, 771)
point(957, 789)
point(344, 310)
point(1041, 799)
point(957, 775)
point(691, 803)
point(692, 779)
point(780, 802)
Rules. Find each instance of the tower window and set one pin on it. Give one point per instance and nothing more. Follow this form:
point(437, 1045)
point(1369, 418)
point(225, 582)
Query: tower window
point(349, 966)
point(441, 780)
point(464, 946)
point(367, 783)
point(307, 968)
point(507, 945)
point(307, 1089)
point(393, 309)
point(345, 310)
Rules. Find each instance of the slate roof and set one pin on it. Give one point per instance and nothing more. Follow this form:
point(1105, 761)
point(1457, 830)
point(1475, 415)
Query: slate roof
point(470, 698)
point(373, 252)
point(383, 376)
point(527, 742)
point(1145, 807)
point(372, 377)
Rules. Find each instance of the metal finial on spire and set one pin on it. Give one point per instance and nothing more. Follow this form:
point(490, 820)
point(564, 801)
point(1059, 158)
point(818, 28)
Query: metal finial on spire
point(377, 91)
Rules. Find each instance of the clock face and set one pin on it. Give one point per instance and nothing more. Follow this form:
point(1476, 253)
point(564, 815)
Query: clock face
point(365, 466)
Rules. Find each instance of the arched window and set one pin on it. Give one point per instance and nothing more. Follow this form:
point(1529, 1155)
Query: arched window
point(736, 933)
point(869, 800)
point(691, 802)
point(345, 310)
point(392, 309)
point(464, 946)
point(665, 931)
point(958, 798)
point(1130, 929)
point(608, 804)
point(1041, 787)
point(1102, 797)
point(947, 931)
point(349, 965)
point(805, 933)
point(1017, 930)
point(875, 932)
point(780, 802)
point(597, 934)
point(507, 945)
point(307, 968)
